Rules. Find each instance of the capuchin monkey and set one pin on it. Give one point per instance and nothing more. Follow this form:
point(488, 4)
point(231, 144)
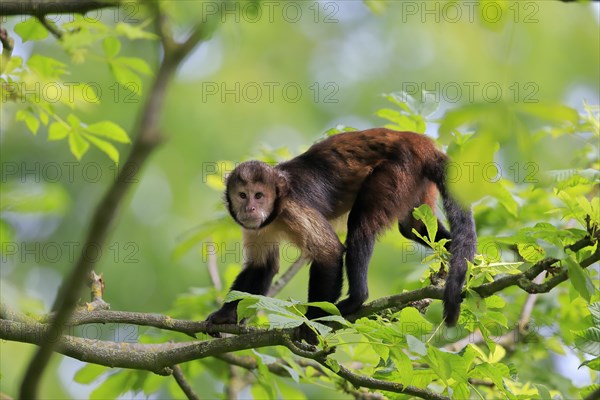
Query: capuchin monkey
point(378, 176)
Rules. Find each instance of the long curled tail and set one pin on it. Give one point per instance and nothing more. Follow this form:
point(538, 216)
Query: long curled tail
point(463, 244)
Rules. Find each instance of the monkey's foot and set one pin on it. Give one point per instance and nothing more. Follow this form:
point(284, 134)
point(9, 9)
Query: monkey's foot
point(224, 315)
point(349, 306)
point(304, 332)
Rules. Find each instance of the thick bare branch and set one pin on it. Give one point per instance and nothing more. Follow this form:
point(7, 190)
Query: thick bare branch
point(157, 358)
point(44, 7)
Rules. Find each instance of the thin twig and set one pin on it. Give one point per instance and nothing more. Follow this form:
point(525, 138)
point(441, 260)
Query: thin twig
point(50, 27)
point(287, 276)
point(510, 337)
point(361, 380)
point(213, 270)
point(183, 383)
point(7, 47)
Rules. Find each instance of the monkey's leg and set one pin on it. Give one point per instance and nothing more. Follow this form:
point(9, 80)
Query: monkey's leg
point(325, 282)
point(254, 279)
point(406, 226)
point(382, 197)
point(406, 223)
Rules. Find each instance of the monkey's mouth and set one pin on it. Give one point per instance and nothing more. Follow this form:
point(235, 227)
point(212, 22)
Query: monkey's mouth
point(251, 221)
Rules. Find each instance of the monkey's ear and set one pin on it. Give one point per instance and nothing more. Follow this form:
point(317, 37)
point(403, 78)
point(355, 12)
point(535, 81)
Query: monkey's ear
point(281, 184)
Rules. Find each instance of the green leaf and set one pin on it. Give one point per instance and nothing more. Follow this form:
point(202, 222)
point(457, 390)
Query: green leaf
point(580, 279)
point(58, 131)
point(592, 364)
point(111, 46)
point(124, 75)
point(466, 171)
point(30, 120)
point(377, 7)
point(543, 392)
point(44, 118)
point(495, 301)
point(78, 145)
point(6, 232)
point(73, 121)
point(413, 322)
point(31, 29)
point(46, 67)
point(415, 345)
point(136, 64)
point(112, 387)
point(133, 31)
point(595, 312)
point(257, 302)
point(29, 198)
point(460, 390)
point(531, 252)
point(13, 63)
point(588, 390)
point(105, 147)
point(333, 364)
point(557, 113)
point(339, 129)
point(588, 340)
point(440, 362)
point(402, 122)
point(424, 214)
point(494, 372)
point(109, 130)
point(293, 373)
point(325, 306)
point(89, 373)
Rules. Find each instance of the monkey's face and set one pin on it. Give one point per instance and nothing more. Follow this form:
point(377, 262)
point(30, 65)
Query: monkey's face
point(252, 190)
point(251, 203)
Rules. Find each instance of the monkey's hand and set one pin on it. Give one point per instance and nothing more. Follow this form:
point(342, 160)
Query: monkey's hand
point(224, 315)
point(306, 333)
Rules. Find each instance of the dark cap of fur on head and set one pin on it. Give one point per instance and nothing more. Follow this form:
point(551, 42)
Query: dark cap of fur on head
point(252, 172)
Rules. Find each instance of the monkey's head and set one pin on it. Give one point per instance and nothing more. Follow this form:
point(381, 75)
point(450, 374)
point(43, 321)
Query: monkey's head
point(253, 191)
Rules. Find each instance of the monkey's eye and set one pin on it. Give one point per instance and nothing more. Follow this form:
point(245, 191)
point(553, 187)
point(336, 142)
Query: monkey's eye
point(258, 195)
point(242, 195)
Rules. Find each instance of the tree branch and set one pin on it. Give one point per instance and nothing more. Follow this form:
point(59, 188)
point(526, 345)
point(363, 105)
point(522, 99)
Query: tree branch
point(7, 48)
point(183, 383)
point(44, 7)
point(287, 276)
point(50, 27)
point(159, 358)
point(361, 380)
